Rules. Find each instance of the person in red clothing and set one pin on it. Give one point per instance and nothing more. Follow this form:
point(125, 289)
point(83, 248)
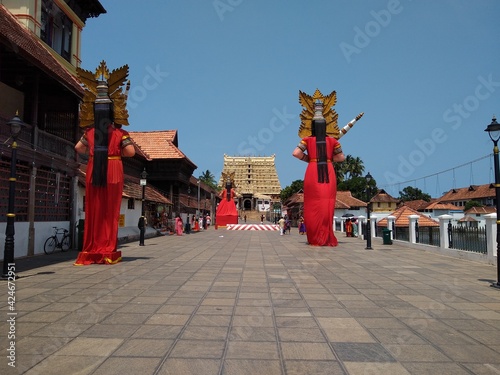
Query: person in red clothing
point(320, 184)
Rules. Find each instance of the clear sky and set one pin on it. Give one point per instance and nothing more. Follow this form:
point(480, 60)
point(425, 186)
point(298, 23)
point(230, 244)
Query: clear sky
point(226, 75)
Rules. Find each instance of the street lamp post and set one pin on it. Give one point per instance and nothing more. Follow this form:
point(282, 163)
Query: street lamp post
point(493, 130)
point(368, 179)
point(142, 220)
point(198, 212)
point(16, 125)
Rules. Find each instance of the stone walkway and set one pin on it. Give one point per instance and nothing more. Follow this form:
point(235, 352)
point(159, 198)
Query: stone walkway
point(253, 302)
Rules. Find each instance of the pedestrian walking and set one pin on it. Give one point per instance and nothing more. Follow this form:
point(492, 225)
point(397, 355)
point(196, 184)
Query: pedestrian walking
point(281, 223)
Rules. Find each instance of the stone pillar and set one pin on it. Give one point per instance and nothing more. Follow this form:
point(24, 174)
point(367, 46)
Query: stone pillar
point(390, 220)
point(491, 237)
point(443, 231)
point(361, 221)
point(373, 225)
point(413, 234)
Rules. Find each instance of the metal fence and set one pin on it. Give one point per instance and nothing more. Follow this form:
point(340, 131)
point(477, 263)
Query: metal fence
point(467, 238)
point(459, 237)
point(428, 235)
point(401, 233)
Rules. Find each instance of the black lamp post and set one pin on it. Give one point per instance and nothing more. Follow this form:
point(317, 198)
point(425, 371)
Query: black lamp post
point(493, 130)
point(142, 220)
point(198, 211)
point(16, 125)
point(187, 227)
point(368, 179)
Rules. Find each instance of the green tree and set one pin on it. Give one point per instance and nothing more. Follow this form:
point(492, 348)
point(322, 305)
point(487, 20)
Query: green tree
point(288, 191)
point(471, 204)
point(358, 188)
point(351, 167)
point(208, 178)
point(411, 194)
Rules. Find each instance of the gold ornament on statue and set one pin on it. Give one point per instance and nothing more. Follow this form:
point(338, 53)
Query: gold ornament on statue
point(229, 177)
point(117, 91)
point(329, 114)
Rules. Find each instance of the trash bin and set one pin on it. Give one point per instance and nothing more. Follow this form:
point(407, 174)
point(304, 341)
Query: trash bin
point(81, 224)
point(386, 235)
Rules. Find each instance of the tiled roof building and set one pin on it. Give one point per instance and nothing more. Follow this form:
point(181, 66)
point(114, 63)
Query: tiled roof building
point(402, 220)
point(484, 194)
point(170, 171)
point(382, 201)
point(346, 200)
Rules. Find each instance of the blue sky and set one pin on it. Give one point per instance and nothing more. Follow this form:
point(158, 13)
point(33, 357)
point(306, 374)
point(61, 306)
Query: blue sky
point(226, 75)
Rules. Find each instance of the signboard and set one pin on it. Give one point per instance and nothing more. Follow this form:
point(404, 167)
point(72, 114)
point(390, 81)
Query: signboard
point(121, 221)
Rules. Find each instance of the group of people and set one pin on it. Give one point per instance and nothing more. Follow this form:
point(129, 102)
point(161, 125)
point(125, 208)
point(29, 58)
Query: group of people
point(351, 227)
point(194, 223)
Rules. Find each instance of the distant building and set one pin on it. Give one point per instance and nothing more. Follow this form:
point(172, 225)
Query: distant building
point(383, 202)
point(474, 216)
point(170, 171)
point(484, 194)
point(256, 181)
point(402, 218)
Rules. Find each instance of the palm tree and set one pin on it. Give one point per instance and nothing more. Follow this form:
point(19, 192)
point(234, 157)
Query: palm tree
point(356, 167)
point(208, 178)
point(350, 168)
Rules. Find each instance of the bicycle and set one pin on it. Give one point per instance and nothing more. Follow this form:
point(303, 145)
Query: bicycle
point(53, 241)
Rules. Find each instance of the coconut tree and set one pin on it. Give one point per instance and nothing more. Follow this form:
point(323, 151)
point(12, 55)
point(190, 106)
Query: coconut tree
point(208, 178)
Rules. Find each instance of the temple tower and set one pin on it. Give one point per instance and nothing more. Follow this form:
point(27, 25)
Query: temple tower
point(256, 181)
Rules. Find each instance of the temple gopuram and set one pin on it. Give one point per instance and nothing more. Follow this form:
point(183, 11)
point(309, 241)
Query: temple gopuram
point(256, 181)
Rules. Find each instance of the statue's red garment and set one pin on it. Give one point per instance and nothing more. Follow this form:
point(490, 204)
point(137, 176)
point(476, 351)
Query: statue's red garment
point(102, 204)
point(319, 198)
point(226, 210)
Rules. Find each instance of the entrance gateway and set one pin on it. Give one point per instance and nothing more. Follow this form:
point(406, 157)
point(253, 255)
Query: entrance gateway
point(256, 182)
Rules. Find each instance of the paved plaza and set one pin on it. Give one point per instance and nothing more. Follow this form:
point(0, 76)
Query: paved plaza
point(252, 302)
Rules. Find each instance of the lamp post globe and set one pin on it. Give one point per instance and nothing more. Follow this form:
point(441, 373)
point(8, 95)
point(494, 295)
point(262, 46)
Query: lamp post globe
point(493, 130)
point(16, 125)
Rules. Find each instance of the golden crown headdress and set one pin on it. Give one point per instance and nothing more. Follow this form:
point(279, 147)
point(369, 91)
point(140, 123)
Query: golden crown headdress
point(229, 177)
point(325, 103)
point(117, 91)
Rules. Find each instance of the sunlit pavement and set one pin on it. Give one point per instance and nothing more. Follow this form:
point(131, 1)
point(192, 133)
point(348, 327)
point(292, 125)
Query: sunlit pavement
point(252, 302)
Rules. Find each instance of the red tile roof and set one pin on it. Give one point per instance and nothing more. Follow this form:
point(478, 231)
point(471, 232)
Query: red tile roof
point(15, 36)
point(417, 204)
point(481, 210)
point(295, 199)
point(383, 197)
point(473, 192)
point(160, 144)
point(467, 219)
point(402, 220)
point(345, 198)
point(131, 188)
point(438, 205)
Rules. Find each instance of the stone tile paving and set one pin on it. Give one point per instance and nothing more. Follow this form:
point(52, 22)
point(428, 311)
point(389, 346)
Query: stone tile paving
point(253, 302)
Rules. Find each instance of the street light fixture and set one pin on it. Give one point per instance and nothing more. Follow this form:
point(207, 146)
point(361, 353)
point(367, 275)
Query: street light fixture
point(198, 212)
point(142, 227)
point(16, 125)
point(493, 130)
point(368, 179)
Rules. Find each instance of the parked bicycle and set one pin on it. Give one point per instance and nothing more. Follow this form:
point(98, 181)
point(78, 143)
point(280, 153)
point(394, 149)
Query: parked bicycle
point(59, 240)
